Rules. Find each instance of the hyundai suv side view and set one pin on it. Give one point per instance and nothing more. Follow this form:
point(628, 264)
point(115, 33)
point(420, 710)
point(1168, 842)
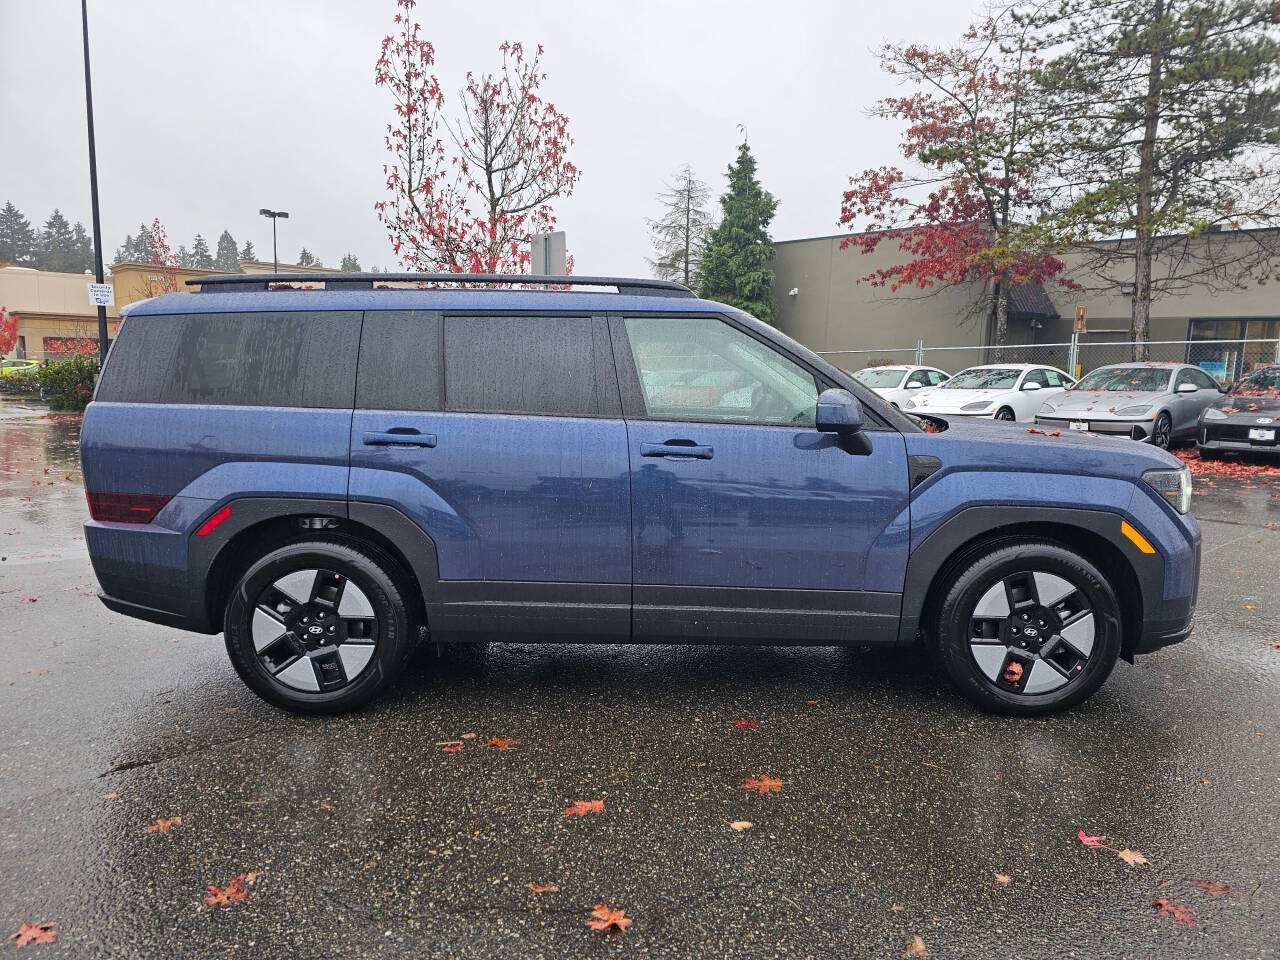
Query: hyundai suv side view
point(330, 476)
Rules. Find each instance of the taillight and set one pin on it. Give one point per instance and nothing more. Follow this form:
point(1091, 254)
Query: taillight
point(125, 507)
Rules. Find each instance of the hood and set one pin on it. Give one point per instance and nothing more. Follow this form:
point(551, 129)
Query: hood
point(940, 398)
point(1103, 401)
point(1247, 405)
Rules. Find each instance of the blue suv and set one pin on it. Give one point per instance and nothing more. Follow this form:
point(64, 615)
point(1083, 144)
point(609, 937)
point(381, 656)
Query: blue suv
point(329, 476)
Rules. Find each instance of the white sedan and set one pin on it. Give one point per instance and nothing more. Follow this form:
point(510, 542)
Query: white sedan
point(898, 384)
point(997, 391)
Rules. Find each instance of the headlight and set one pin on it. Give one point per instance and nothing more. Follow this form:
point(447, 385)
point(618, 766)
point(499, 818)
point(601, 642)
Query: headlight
point(980, 405)
point(911, 404)
point(1137, 410)
point(1213, 413)
point(1173, 485)
point(1045, 409)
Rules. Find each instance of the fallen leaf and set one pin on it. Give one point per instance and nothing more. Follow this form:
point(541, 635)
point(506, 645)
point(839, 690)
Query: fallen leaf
point(30, 600)
point(450, 746)
point(1183, 914)
point(897, 908)
point(762, 784)
point(1205, 781)
point(468, 736)
point(225, 896)
point(1132, 857)
point(1274, 644)
point(543, 887)
point(1003, 879)
point(30, 933)
point(916, 948)
point(164, 825)
point(1250, 606)
point(811, 703)
point(113, 795)
point(741, 825)
point(1013, 672)
point(603, 918)
point(503, 743)
point(1213, 888)
point(580, 808)
point(1089, 841)
point(745, 724)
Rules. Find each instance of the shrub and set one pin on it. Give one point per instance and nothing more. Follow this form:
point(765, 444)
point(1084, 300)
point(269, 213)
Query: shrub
point(68, 384)
point(24, 384)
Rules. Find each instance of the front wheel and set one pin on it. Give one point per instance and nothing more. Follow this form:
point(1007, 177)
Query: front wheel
point(1005, 413)
point(1162, 432)
point(318, 626)
point(1028, 628)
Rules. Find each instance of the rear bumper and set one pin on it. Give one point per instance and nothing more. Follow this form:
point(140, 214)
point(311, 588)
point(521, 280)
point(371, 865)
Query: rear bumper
point(167, 618)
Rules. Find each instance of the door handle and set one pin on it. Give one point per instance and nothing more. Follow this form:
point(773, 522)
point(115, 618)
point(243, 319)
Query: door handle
point(399, 437)
point(677, 448)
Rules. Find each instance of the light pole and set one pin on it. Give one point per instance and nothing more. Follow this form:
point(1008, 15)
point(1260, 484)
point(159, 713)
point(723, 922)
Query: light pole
point(274, 215)
point(93, 186)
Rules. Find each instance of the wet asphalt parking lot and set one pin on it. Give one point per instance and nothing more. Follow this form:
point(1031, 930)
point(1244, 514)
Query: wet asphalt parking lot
point(900, 813)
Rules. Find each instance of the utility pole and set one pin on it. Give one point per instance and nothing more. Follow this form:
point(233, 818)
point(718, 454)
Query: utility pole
point(93, 186)
point(274, 215)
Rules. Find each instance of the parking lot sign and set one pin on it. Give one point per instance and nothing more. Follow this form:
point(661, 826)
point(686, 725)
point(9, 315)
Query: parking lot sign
point(102, 295)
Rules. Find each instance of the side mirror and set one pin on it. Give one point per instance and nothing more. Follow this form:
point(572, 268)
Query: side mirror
point(1187, 388)
point(1031, 385)
point(839, 411)
point(914, 386)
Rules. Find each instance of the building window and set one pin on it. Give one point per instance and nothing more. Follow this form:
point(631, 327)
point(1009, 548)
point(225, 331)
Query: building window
point(22, 347)
point(1231, 349)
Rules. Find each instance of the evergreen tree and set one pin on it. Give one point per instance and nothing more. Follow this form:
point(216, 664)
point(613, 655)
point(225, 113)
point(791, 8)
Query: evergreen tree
point(136, 247)
point(680, 234)
point(55, 246)
point(81, 249)
point(247, 252)
point(735, 263)
point(227, 258)
point(350, 264)
point(17, 239)
point(183, 255)
point(307, 259)
point(200, 256)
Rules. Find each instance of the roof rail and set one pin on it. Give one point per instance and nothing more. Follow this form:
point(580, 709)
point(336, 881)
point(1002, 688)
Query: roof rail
point(244, 282)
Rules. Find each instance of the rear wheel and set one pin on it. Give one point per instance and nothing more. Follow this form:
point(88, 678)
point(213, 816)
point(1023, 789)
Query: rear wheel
point(319, 626)
point(1162, 432)
point(1028, 628)
point(1005, 413)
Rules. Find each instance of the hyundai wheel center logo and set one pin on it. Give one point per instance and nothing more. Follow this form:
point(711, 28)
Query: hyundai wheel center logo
point(1031, 632)
point(315, 628)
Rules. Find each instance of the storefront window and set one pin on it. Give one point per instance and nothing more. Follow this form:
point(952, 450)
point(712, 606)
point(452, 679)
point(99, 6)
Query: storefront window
point(1231, 349)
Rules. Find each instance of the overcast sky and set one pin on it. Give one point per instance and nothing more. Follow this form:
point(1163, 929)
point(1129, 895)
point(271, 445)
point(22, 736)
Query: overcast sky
point(208, 111)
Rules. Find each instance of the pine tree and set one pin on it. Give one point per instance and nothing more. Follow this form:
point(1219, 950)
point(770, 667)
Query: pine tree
point(735, 263)
point(17, 238)
point(55, 246)
point(679, 236)
point(183, 255)
point(1164, 122)
point(227, 257)
point(136, 247)
point(247, 252)
point(307, 259)
point(350, 264)
point(81, 249)
point(200, 256)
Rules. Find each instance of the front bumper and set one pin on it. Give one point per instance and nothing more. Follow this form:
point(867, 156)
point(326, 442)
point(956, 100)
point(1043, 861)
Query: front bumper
point(1227, 436)
point(1134, 429)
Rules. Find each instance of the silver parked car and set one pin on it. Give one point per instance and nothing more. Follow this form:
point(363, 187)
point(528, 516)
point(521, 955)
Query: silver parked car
point(1158, 403)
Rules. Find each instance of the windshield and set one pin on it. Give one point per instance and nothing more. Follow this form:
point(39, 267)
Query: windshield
point(985, 378)
point(1132, 379)
point(880, 377)
point(1263, 382)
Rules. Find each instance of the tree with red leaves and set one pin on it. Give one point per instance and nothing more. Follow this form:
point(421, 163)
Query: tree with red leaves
point(466, 194)
point(8, 330)
point(164, 262)
point(971, 126)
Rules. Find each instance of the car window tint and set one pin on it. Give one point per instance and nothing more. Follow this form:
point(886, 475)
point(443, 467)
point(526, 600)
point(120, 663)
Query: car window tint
point(520, 365)
point(936, 377)
point(919, 376)
point(1203, 380)
point(1036, 376)
point(1198, 378)
point(399, 361)
point(289, 359)
point(1053, 378)
point(704, 369)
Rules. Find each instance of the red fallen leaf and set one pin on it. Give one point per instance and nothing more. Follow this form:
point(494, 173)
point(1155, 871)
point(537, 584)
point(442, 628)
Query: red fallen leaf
point(164, 825)
point(1185, 915)
point(503, 743)
point(603, 918)
point(542, 887)
point(745, 724)
point(580, 808)
point(1089, 841)
point(225, 896)
point(1213, 888)
point(450, 746)
point(762, 785)
point(916, 948)
point(30, 933)
point(1013, 672)
point(30, 600)
point(1045, 433)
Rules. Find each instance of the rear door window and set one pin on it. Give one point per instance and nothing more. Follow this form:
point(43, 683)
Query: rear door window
point(287, 359)
point(400, 361)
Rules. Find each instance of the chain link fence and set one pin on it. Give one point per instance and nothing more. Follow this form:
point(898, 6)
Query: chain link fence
point(1226, 360)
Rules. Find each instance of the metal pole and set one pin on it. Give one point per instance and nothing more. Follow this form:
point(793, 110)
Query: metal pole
point(275, 258)
point(1073, 356)
point(93, 185)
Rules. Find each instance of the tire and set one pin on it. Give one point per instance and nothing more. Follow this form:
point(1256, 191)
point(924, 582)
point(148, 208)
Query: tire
point(1162, 432)
point(976, 647)
point(355, 641)
point(1007, 414)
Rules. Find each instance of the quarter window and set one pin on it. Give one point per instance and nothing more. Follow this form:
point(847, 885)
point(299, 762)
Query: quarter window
point(703, 369)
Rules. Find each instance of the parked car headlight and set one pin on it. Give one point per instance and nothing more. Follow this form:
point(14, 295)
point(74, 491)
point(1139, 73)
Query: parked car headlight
point(1173, 485)
point(1045, 409)
point(980, 405)
point(1213, 413)
point(1137, 410)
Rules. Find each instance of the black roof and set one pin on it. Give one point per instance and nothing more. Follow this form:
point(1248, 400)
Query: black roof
point(1030, 302)
point(246, 282)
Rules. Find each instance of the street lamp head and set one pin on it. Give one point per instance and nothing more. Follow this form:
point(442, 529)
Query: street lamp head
point(266, 213)
point(273, 214)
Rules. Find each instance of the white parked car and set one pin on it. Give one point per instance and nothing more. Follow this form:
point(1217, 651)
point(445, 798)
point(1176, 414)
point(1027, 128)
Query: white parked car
point(898, 384)
point(997, 391)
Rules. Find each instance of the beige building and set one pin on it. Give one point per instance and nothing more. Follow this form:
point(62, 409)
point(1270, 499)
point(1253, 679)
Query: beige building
point(53, 309)
point(823, 305)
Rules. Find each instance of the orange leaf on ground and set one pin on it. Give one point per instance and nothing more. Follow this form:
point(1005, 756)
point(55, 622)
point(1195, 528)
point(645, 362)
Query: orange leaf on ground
point(580, 808)
point(1183, 914)
point(1213, 888)
point(762, 784)
point(916, 948)
point(503, 743)
point(1013, 672)
point(543, 887)
point(1003, 879)
point(164, 825)
point(811, 703)
point(602, 918)
point(35, 933)
point(745, 724)
point(450, 746)
point(1132, 857)
point(741, 825)
point(225, 896)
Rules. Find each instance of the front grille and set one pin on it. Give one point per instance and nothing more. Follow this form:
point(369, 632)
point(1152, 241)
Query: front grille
point(1236, 432)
